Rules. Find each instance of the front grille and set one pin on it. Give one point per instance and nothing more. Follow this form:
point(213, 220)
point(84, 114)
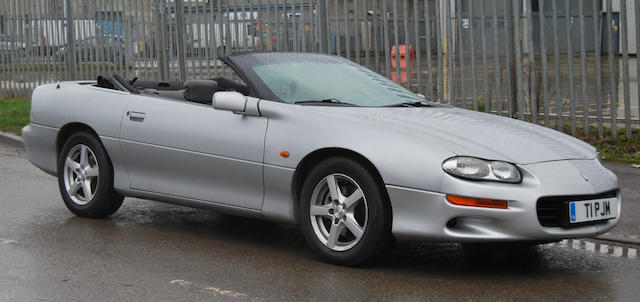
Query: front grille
point(553, 211)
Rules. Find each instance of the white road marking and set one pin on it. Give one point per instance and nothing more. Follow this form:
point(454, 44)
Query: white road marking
point(617, 251)
point(181, 282)
point(8, 241)
point(214, 290)
point(224, 292)
point(576, 244)
point(604, 249)
point(590, 246)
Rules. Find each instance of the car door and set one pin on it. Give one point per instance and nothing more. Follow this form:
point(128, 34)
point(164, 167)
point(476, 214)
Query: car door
point(191, 150)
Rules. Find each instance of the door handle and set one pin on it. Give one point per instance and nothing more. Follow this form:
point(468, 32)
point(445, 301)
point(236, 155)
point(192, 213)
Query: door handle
point(136, 116)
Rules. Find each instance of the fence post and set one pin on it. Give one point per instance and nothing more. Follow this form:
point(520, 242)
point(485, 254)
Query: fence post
point(322, 19)
point(637, 30)
point(182, 60)
point(625, 68)
point(509, 24)
point(517, 42)
point(71, 52)
point(161, 31)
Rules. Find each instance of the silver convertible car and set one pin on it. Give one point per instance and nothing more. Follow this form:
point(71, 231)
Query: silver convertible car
point(354, 159)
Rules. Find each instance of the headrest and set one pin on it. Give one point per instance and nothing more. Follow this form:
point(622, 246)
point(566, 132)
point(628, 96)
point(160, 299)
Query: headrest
point(126, 84)
point(200, 91)
point(229, 84)
point(104, 83)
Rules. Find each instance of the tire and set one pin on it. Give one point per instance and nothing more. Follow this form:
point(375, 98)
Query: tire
point(329, 226)
point(88, 178)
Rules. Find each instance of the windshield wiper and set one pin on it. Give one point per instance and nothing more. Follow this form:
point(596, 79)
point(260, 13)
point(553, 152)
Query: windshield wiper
point(411, 104)
point(325, 102)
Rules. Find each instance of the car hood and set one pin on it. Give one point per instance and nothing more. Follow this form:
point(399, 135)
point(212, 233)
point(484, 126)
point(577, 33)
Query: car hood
point(466, 132)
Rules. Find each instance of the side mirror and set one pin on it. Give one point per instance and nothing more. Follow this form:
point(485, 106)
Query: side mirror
point(235, 102)
point(422, 96)
point(230, 101)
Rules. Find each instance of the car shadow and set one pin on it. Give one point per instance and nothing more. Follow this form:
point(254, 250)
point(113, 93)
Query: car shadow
point(196, 228)
point(187, 241)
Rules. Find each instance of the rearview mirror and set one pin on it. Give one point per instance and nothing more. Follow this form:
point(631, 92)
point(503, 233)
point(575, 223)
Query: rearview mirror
point(235, 102)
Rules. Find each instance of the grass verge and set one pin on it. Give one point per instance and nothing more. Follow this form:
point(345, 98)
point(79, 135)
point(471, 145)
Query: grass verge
point(14, 114)
point(620, 149)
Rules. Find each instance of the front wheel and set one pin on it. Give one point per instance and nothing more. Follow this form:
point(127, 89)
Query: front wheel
point(85, 177)
point(344, 213)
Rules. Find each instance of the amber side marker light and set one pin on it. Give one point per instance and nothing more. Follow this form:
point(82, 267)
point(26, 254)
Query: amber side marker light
point(284, 154)
point(477, 202)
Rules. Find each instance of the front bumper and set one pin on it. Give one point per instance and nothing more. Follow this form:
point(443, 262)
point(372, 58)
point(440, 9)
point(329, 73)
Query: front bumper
point(425, 215)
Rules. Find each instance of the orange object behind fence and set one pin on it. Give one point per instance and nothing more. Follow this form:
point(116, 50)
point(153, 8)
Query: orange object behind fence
point(403, 56)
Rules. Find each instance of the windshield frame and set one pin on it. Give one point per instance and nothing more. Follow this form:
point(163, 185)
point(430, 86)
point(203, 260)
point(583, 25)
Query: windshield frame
point(243, 64)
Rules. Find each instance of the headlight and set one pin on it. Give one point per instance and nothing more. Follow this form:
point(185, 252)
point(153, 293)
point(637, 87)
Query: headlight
point(479, 169)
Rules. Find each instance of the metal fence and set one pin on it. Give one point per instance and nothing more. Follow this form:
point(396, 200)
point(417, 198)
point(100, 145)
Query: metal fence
point(554, 62)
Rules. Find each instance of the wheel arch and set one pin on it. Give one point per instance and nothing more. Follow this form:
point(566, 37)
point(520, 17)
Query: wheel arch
point(312, 159)
point(72, 128)
point(68, 130)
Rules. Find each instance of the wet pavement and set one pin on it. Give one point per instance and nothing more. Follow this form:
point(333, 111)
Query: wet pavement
point(151, 251)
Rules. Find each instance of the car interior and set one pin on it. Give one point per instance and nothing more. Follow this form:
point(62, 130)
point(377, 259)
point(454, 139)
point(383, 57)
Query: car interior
point(198, 91)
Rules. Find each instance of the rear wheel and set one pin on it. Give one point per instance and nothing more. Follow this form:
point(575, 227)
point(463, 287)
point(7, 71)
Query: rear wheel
point(85, 177)
point(344, 213)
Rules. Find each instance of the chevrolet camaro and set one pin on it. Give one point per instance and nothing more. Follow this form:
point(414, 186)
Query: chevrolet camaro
point(354, 159)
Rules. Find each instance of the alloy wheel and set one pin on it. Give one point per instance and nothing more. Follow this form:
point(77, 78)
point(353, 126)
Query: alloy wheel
point(81, 174)
point(338, 212)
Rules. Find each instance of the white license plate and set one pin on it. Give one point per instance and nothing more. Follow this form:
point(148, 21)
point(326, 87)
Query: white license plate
point(591, 210)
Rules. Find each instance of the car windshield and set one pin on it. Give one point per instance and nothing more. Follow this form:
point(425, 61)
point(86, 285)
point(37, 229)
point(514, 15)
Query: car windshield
point(293, 78)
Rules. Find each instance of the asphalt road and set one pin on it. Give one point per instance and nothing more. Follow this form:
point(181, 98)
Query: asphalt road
point(151, 251)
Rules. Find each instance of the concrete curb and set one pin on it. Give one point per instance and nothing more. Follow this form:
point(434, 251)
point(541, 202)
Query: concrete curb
point(11, 139)
point(619, 239)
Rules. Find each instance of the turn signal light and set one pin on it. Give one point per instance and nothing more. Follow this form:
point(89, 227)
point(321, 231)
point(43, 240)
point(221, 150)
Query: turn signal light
point(285, 154)
point(477, 202)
